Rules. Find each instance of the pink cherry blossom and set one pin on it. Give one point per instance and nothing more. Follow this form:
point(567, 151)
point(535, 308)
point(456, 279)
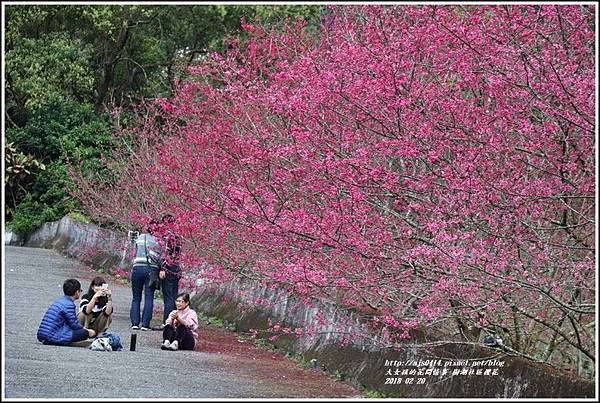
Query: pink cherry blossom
point(426, 166)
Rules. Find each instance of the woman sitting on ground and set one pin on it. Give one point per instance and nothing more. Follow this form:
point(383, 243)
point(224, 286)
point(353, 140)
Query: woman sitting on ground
point(96, 308)
point(180, 331)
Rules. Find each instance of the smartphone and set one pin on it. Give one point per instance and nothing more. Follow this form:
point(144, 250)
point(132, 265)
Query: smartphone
point(105, 286)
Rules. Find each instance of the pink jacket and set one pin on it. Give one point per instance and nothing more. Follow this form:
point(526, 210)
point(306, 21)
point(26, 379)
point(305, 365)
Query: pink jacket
point(188, 317)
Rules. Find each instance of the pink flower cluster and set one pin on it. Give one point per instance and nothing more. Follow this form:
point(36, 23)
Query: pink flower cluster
point(415, 163)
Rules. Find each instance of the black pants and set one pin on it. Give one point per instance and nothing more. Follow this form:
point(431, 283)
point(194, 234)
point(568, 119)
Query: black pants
point(78, 335)
point(183, 335)
point(170, 288)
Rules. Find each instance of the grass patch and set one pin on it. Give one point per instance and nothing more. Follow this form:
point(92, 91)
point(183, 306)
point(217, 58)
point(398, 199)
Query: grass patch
point(242, 338)
point(303, 362)
point(215, 321)
point(264, 345)
point(374, 394)
point(80, 217)
point(202, 317)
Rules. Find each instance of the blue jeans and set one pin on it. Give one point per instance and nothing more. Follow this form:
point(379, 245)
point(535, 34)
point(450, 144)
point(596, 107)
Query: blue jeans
point(170, 288)
point(140, 281)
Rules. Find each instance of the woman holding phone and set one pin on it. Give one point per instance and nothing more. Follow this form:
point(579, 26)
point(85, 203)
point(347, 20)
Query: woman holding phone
point(96, 308)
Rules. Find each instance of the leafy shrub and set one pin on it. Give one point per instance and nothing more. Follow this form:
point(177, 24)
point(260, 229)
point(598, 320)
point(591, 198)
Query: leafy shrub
point(30, 214)
point(58, 131)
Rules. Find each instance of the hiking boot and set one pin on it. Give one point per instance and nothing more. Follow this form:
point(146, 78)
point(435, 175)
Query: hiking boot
point(174, 346)
point(165, 345)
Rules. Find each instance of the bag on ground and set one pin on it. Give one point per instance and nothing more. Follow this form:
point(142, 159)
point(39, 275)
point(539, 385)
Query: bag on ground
point(113, 341)
point(101, 344)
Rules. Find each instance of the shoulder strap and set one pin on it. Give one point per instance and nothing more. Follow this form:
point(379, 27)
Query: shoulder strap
point(146, 249)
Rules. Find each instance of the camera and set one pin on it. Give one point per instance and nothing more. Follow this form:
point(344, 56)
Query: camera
point(132, 235)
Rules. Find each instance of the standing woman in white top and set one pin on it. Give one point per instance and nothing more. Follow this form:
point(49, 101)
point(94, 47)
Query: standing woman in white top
point(146, 263)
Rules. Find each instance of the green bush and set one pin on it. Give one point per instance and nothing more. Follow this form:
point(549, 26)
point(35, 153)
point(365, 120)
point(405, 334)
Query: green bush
point(264, 344)
point(373, 394)
point(30, 214)
point(57, 131)
point(215, 321)
point(80, 217)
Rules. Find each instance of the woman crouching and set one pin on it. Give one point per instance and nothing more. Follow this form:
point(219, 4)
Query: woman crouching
point(180, 331)
point(96, 308)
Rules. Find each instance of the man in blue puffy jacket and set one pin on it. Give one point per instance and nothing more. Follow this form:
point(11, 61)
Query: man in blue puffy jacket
point(60, 325)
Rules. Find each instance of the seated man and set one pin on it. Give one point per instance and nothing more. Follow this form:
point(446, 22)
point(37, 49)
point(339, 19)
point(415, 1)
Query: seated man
point(60, 325)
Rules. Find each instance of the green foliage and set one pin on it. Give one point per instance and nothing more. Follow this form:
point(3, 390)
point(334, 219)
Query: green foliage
point(50, 186)
point(202, 318)
point(51, 68)
point(19, 170)
point(373, 394)
point(275, 15)
point(304, 363)
point(59, 128)
point(67, 64)
point(56, 131)
point(264, 344)
point(215, 321)
point(92, 52)
point(30, 214)
point(242, 338)
point(80, 217)
point(300, 360)
point(212, 320)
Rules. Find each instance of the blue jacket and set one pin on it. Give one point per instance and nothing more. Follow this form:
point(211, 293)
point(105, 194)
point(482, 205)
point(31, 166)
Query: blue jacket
point(59, 322)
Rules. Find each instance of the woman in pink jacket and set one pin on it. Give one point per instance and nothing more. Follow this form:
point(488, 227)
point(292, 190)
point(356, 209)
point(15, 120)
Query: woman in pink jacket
point(180, 331)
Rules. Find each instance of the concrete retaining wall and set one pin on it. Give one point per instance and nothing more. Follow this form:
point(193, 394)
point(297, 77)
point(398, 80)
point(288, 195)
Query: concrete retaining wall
point(383, 370)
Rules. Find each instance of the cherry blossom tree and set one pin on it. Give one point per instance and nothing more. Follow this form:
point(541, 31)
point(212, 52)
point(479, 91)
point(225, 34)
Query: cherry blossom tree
point(428, 166)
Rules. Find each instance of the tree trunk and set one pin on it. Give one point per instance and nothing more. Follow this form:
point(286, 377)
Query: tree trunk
point(109, 66)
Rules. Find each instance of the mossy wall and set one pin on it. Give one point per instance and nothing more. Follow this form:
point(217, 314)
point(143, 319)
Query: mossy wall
point(365, 366)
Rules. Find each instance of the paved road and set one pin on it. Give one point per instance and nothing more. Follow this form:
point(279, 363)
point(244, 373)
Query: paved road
point(33, 279)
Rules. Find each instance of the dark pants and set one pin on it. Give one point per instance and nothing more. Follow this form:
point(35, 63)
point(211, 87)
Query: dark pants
point(81, 334)
point(170, 288)
point(78, 335)
point(140, 282)
point(183, 335)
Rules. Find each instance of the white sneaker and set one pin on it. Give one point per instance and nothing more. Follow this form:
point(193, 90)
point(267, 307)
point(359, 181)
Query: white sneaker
point(165, 345)
point(174, 346)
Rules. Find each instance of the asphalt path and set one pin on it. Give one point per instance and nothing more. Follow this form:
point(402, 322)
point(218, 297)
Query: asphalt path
point(33, 279)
